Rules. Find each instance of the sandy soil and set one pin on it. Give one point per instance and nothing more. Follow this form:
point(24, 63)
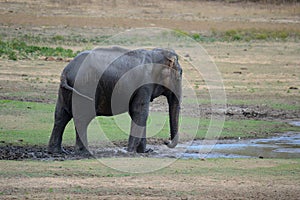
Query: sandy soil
point(185, 15)
point(255, 81)
point(210, 179)
point(150, 187)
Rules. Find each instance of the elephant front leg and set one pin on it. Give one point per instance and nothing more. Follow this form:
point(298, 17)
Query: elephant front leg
point(138, 110)
point(138, 144)
point(137, 139)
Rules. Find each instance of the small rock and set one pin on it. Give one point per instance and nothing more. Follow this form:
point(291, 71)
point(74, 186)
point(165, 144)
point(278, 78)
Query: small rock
point(42, 58)
point(237, 72)
point(229, 113)
point(50, 58)
point(293, 88)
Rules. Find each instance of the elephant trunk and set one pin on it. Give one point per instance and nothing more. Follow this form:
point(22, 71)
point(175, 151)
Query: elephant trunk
point(174, 109)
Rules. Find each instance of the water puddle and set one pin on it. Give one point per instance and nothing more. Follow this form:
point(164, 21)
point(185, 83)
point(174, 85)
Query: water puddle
point(284, 146)
point(295, 123)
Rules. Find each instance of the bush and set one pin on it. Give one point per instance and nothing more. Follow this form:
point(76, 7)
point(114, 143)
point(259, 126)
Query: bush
point(16, 49)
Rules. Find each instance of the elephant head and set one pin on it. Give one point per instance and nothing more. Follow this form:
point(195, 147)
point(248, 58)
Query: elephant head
point(170, 78)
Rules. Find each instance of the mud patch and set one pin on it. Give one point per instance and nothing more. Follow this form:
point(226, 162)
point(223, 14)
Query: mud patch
point(10, 152)
point(282, 146)
point(40, 153)
point(260, 112)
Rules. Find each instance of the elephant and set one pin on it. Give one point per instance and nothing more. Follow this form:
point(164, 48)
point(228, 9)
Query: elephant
point(114, 80)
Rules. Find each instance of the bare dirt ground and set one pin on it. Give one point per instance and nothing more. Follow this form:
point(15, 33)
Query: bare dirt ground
point(149, 187)
point(184, 179)
point(185, 15)
point(261, 81)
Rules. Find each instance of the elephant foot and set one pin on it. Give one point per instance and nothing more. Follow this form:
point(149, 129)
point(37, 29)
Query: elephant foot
point(149, 150)
point(137, 145)
point(82, 151)
point(141, 149)
point(57, 150)
point(145, 151)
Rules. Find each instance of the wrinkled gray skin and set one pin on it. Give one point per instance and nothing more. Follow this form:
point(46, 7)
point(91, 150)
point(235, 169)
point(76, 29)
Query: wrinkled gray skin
point(110, 81)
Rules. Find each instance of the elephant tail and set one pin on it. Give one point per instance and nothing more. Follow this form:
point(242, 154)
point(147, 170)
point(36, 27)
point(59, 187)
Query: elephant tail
point(64, 84)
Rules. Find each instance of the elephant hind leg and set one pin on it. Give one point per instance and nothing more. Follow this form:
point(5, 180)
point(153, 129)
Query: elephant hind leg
point(62, 118)
point(83, 113)
point(81, 146)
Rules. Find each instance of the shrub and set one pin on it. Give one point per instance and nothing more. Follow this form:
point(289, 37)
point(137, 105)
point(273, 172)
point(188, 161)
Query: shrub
point(16, 49)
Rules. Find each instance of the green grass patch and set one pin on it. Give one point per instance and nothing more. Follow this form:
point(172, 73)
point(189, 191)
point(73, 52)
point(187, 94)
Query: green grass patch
point(216, 168)
point(25, 46)
point(243, 35)
point(16, 49)
point(263, 102)
point(71, 39)
point(255, 34)
point(283, 106)
point(254, 128)
point(29, 123)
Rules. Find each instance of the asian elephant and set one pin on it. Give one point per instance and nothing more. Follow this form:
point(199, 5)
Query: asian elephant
point(110, 81)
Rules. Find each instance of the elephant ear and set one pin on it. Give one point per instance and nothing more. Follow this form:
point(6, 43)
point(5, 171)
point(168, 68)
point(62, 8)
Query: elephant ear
point(171, 56)
point(172, 61)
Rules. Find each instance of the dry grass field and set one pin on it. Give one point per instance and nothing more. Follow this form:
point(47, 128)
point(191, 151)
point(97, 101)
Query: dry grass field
point(256, 47)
